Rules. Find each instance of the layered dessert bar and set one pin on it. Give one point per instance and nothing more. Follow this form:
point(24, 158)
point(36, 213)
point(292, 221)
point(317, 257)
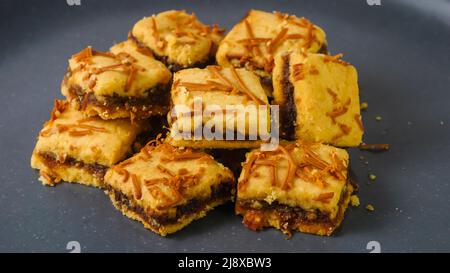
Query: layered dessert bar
point(298, 187)
point(178, 39)
point(228, 102)
point(75, 148)
point(318, 97)
point(260, 36)
point(166, 188)
point(124, 82)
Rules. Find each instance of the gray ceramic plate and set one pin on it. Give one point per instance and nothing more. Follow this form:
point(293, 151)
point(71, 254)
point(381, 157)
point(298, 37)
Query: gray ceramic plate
point(401, 50)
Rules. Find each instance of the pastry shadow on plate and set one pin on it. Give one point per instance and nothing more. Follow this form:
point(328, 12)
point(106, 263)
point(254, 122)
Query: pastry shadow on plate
point(214, 221)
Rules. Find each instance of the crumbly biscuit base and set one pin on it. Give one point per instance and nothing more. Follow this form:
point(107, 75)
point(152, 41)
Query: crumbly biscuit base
point(164, 230)
point(71, 174)
point(271, 218)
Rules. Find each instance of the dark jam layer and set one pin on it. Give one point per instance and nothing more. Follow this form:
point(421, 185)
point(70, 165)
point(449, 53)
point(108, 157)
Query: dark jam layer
point(52, 161)
point(286, 214)
point(174, 67)
point(218, 192)
point(157, 100)
point(267, 81)
point(257, 212)
point(288, 112)
point(323, 49)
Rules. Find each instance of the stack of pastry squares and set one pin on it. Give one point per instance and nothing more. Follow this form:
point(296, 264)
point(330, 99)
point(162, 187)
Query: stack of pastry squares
point(119, 126)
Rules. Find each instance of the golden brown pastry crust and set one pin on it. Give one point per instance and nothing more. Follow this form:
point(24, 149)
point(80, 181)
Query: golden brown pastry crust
point(124, 82)
point(300, 186)
point(261, 36)
point(166, 188)
point(318, 97)
point(227, 89)
point(75, 148)
point(178, 39)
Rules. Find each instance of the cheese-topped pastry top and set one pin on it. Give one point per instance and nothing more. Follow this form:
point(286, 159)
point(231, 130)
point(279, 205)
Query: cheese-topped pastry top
point(91, 140)
point(306, 175)
point(162, 177)
point(224, 90)
point(178, 38)
point(219, 86)
point(319, 98)
point(125, 71)
point(260, 36)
